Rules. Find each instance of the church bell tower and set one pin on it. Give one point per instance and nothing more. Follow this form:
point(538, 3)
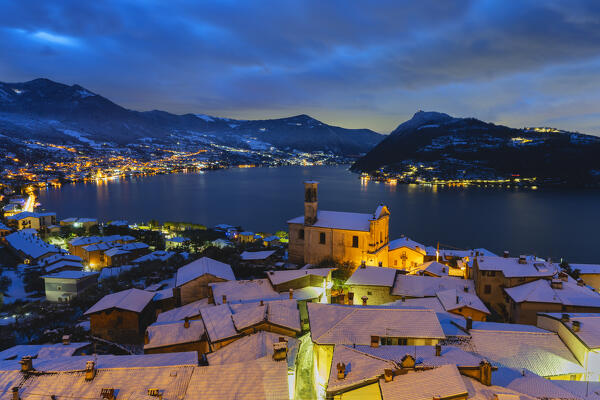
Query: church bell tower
point(310, 202)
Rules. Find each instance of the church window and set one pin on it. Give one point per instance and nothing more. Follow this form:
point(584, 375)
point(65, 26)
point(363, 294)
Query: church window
point(355, 241)
point(322, 238)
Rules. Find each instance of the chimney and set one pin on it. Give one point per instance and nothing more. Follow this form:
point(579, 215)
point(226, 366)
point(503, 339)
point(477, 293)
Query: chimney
point(364, 300)
point(291, 293)
point(403, 299)
point(186, 322)
point(90, 371)
point(443, 269)
point(146, 338)
point(341, 370)
point(310, 202)
point(262, 302)
point(576, 326)
point(224, 299)
point(469, 323)
point(485, 373)
point(565, 318)
point(522, 259)
point(107, 394)
point(15, 393)
point(155, 392)
point(279, 351)
point(438, 350)
point(66, 340)
point(556, 284)
point(26, 364)
point(466, 288)
point(374, 341)
point(580, 282)
point(388, 374)
point(506, 254)
point(363, 264)
point(563, 276)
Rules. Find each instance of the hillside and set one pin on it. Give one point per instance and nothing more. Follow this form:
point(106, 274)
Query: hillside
point(444, 147)
point(45, 110)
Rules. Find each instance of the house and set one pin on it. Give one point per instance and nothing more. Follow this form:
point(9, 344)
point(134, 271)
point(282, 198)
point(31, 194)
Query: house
point(341, 236)
point(175, 242)
point(412, 286)
point(334, 325)
point(44, 351)
point(115, 257)
point(31, 220)
point(492, 274)
point(122, 317)
point(76, 245)
point(65, 285)
point(434, 268)
point(243, 291)
point(86, 223)
point(246, 237)
point(284, 280)
point(463, 302)
point(4, 230)
point(192, 280)
point(405, 254)
point(556, 295)
point(589, 273)
point(371, 286)
point(258, 258)
point(581, 333)
point(271, 241)
point(524, 347)
point(29, 247)
point(190, 311)
point(176, 336)
point(61, 262)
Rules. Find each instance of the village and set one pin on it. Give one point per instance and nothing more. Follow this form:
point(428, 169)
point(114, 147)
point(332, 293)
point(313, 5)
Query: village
point(332, 308)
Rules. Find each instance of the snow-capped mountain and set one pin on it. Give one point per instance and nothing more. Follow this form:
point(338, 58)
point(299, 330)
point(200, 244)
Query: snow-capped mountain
point(42, 109)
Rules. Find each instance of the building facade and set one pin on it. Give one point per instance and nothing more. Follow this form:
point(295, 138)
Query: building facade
point(354, 238)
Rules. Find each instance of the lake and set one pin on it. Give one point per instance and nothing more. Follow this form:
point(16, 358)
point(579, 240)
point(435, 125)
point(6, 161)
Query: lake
point(547, 222)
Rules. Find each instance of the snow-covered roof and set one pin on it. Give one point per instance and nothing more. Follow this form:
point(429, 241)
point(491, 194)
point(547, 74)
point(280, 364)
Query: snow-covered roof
point(336, 324)
point(30, 245)
point(425, 355)
point(102, 246)
point(161, 334)
point(262, 379)
point(257, 255)
point(589, 326)
point(41, 350)
point(453, 299)
point(190, 310)
point(541, 291)
point(60, 257)
point(441, 382)
point(284, 313)
point(432, 267)
point(511, 268)
point(203, 266)
point(131, 300)
point(253, 347)
point(428, 303)
point(85, 240)
point(529, 383)
point(115, 251)
point(339, 220)
point(428, 286)
point(279, 277)
point(218, 322)
point(28, 214)
point(134, 246)
point(543, 353)
point(406, 242)
point(373, 276)
point(71, 275)
point(585, 269)
point(159, 255)
point(244, 290)
point(64, 264)
point(361, 368)
point(109, 272)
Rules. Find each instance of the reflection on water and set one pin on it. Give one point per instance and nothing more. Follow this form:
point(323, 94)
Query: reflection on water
point(545, 222)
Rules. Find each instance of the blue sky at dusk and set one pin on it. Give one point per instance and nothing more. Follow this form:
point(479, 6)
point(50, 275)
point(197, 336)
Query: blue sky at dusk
point(351, 63)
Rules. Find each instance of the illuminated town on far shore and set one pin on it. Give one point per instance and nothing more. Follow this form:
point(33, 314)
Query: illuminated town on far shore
point(299, 200)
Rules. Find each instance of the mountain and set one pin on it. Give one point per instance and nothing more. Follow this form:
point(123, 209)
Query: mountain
point(438, 145)
point(45, 110)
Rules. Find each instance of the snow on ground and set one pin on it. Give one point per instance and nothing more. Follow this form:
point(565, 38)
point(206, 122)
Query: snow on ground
point(84, 93)
point(207, 118)
point(16, 290)
point(79, 136)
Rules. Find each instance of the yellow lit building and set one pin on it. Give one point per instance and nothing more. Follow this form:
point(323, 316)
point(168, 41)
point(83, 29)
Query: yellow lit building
point(341, 236)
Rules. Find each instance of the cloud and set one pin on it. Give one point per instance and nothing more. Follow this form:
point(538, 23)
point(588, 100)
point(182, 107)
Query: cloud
point(354, 64)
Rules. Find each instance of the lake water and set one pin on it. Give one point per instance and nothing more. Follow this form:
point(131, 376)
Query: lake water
point(546, 222)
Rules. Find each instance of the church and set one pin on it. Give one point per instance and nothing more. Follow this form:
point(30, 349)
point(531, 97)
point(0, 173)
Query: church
point(341, 236)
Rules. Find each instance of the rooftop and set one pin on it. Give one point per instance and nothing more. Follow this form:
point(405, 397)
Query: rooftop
point(339, 220)
point(428, 286)
point(131, 300)
point(373, 276)
point(511, 268)
point(279, 277)
point(161, 334)
point(203, 266)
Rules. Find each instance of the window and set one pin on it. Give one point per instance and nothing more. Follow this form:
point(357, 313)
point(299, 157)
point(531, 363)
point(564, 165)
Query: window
point(369, 293)
point(355, 241)
point(381, 236)
point(402, 342)
point(487, 289)
point(322, 237)
point(301, 234)
point(395, 262)
point(59, 288)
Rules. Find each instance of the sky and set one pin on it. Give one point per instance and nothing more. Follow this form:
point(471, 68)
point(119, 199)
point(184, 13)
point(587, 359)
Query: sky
point(356, 64)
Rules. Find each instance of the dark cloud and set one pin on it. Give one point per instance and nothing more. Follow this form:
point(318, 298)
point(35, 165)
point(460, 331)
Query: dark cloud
point(356, 64)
